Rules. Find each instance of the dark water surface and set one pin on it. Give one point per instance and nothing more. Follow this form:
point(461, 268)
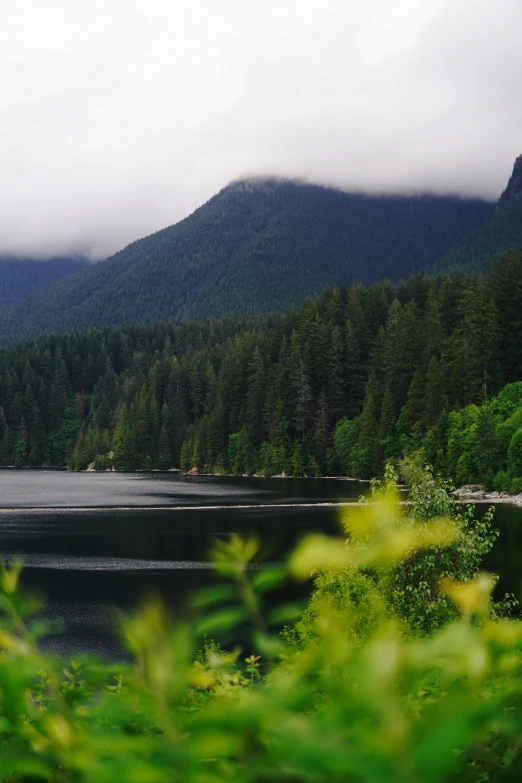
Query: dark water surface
point(505, 559)
point(62, 489)
point(95, 543)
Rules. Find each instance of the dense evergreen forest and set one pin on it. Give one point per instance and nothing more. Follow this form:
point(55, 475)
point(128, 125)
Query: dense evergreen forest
point(20, 277)
point(430, 369)
point(256, 247)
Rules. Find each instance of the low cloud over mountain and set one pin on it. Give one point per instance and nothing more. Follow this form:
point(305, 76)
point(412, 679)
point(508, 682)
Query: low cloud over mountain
point(120, 118)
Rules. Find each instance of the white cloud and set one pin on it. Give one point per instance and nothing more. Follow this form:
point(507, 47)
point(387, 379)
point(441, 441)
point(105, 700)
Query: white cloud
point(118, 117)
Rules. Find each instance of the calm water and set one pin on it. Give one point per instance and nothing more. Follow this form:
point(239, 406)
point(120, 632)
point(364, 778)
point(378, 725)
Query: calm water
point(95, 543)
point(505, 559)
point(61, 489)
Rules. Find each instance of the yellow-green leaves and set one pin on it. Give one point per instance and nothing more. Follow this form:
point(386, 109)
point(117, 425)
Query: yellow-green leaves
point(9, 577)
point(317, 552)
point(378, 536)
point(473, 598)
point(363, 695)
point(231, 556)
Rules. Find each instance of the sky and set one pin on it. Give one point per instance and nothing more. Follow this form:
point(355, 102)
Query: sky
point(120, 117)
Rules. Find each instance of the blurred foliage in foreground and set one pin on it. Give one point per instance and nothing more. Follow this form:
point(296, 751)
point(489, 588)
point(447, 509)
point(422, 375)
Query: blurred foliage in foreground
point(400, 669)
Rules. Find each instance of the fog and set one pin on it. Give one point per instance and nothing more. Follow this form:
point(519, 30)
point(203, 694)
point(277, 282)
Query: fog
point(119, 117)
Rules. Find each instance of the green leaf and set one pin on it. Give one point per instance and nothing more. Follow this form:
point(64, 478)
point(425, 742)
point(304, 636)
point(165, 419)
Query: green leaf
point(268, 578)
point(214, 595)
point(268, 645)
point(317, 552)
point(223, 620)
point(287, 613)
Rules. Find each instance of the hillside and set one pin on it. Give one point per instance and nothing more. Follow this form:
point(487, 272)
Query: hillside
point(502, 232)
point(354, 378)
point(20, 277)
point(255, 247)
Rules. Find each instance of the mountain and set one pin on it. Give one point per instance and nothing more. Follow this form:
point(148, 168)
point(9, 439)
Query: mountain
point(258, 246)
point(20, 277)
point(502, 232)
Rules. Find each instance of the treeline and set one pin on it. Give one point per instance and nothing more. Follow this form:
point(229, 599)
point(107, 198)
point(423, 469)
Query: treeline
point(355, 378)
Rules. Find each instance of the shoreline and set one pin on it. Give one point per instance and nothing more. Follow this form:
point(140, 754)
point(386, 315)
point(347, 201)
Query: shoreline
point(277, 476)
point(468, 492)
point(477, 494)
point(189, 473)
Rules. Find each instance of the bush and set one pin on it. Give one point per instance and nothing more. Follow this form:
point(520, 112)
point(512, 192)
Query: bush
point(514, 455)
point(411, 467)
point(411, 589)
point(506, 402)
point(103, 462)
point(461, 435)
point(356, 698)
point(508, 428)
point(515, 485)
point(502, 481)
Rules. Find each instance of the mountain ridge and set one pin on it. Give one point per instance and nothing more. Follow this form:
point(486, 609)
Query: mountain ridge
point(501, 233)
point(254, 247)
point(513, 191)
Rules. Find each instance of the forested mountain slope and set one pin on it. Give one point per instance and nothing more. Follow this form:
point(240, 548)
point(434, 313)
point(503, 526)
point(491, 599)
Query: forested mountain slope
point(502, 232)
point(256, 247)
point(355, 378)
point(20, 277)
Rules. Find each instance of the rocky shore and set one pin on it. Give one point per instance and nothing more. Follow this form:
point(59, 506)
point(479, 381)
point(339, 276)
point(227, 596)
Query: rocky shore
point(480, 495)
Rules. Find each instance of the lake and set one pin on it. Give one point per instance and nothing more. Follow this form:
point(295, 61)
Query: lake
point(95, 543)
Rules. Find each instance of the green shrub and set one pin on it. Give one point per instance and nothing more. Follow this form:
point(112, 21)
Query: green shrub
point(506, 402)
point(461, 435)
point(508, 428)
point(515, 485)
point(355, 698)
point(103, 462)
point(411, 467)
point(502, 481)
point(411, 589)
point(514, 455)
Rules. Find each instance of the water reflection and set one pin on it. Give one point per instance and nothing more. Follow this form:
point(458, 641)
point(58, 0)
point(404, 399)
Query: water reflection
point(505, 559)
point(88, 563)
point(61, 489)
point(91, 564)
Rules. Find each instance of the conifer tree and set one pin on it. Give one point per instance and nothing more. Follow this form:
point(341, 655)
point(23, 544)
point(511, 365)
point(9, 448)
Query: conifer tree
point(187, 452)
point(434, 396)
point(387, 434)
point(164, 459)
point(410, 423)
point(505, 284)
point(123, 446)
point(355, 372)
point(367, 454)
point(487, 447)
point(6, 446)
point(302, 390)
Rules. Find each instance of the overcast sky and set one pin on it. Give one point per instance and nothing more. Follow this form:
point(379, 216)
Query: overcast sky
point(119, 117)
